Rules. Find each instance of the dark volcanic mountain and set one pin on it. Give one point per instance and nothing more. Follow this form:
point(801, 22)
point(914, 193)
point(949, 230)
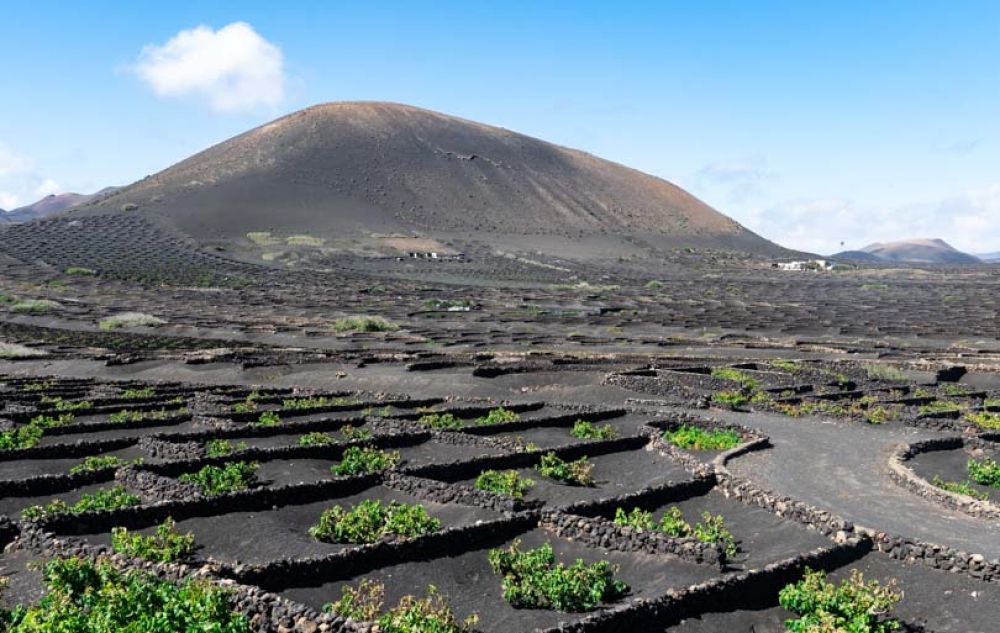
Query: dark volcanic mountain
point(348, 170)
point(922, 251)
point(49, 205)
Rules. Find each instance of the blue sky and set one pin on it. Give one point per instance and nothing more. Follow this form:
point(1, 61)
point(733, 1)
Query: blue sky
point(811, 123)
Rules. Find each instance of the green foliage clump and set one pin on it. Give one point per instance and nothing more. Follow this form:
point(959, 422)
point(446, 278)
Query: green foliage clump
point(853, 606)
point(431, 614)
point(355, 433)
point(985, 472)
point(784, 364)
point(440, 421)
point(267, 418)
point(584, 430)
point(166, 545)
point(248, 405)
point(577, 472)
point(59, 404)
point(959, 487)
point(312, 403)
point(984, 419)
point(499, 415)
point(50, 421)
point(532, 579)
point(693, 437)
point(371, 521)
point(81, 271)
point(99, 462)
point(363, 324)
point(316, 438)
point(730, 398)
point(940, 406)
point(136, 394)
point(35, 306)
point(26, 436)
point(126, 416)
point(230, 477)
point(221, 448)
point(363, 460)
point(113, 498)
point(86, 597)
point(747, 382)
point(504, 482)
point(129, 319)
point(711, 529)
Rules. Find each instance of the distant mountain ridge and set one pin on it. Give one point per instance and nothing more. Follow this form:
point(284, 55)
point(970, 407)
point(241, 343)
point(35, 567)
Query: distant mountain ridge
point(49, 205)
point(919, 251)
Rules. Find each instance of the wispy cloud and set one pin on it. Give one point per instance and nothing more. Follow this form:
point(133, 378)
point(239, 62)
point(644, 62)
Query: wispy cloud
point(739, 180)
point(968, 221)
point(233, 68)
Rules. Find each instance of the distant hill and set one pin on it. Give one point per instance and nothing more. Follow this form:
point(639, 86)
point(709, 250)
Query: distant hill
point(344, 171)
point(49, 205)
point(922, 251)
point(989, 257)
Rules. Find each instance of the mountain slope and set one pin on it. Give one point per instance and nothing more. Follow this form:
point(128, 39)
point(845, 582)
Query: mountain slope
point(350, 169)
point(49, 205)
point(927, 251)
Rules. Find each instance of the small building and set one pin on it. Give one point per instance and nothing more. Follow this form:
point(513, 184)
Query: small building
point(811, 264)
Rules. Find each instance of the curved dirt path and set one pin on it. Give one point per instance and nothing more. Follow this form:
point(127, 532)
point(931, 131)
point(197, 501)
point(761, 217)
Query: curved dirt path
point(842, 467)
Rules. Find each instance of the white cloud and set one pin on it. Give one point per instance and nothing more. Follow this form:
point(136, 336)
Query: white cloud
point(8, 201)
point(12, 163)
point(740, 180)
point(46, 187)
point(967, 221)
point(234, 67)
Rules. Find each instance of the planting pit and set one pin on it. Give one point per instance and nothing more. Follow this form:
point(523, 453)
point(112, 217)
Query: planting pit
point(950, 466)
point(472, 587)
point(269, 533)
point(23, 468)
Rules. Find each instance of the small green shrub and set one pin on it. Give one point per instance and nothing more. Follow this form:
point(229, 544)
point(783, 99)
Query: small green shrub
point(959, 487)
point(371, 521)
point(584, 430)
point(730, 398)
point(86, 597)
point(746, 381)
point(499, 415)
point(532, 579)
point(985, 472)
point(127, 416)
point(940, 406)
point(104, 499)
point(249, 404)
point(81, 271)
point(99, 462)
point(711, 529)
point(26, 436)
point(137, 394)
point(440, 421)
point(35, 306)
point(267, 418)
point(221, 448)
point(363, 324)
point(230, 477)
point(577, 472)
point(786, 365)
point(315, 402)
point(355, 433)
point(129, 319)
point(504, 482)
point(316, 438)
point(853, 606)
point(51, 421)
point(363, 460)
point(695, 438)
point(166, 545)
point(984, 419)
point(431, 614)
